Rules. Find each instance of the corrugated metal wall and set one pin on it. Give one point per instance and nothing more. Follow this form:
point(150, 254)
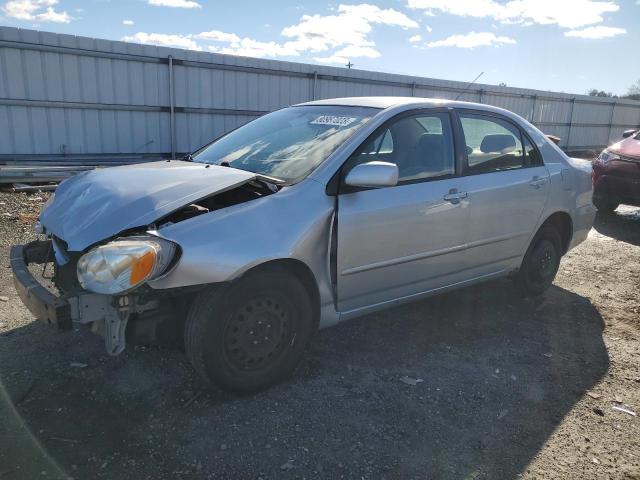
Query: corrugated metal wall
point(76, 99)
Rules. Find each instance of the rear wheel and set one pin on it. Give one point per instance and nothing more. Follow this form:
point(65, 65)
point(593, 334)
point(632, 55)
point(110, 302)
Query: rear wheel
point(541, 262)
point(604, 205)
point(251, 335)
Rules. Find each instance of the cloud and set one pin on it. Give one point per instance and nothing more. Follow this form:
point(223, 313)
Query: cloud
point(415, 39)
point(345, 55)
point(566, 13)
point(163, 40)
point(347, 33)
point(596, 32)
point(332, 59)
point(351, 26)
point(127, 22)
point(218, 36)
point(358, 51)
point(175, 3)
point(35, 10)
point(472, 40)
point(248, 47)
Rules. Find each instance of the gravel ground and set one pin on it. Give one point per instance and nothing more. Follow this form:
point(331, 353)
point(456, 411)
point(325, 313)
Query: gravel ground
point(511, 387)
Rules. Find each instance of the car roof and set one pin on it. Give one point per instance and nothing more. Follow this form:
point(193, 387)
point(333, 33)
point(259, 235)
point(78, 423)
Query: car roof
point(388, 102)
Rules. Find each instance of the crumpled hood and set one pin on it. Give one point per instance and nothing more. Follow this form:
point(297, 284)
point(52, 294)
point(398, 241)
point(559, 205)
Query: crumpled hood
point(99, 204)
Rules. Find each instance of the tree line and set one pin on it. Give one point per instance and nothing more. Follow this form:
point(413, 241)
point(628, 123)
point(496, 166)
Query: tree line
point(633, 93)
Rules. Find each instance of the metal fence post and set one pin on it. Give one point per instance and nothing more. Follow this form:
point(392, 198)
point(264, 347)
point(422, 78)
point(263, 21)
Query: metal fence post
point(568, 144)
point(480, 95)
point(613, 109)
point(413, 89)
point(315, 82)
point(533, 108)
point(172, 113)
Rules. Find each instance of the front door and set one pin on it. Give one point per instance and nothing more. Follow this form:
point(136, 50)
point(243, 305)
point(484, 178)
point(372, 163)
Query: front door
point(399, 241)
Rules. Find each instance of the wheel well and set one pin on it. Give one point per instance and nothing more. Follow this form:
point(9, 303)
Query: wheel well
point(302, 272)
point(561, 221)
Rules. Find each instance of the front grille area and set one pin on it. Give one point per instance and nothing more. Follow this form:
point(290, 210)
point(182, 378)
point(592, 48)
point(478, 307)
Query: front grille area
point(65, 277)
point(626, 158)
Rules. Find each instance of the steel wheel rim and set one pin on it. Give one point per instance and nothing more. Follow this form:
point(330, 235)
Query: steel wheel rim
point(543, 261)
point(257, 333)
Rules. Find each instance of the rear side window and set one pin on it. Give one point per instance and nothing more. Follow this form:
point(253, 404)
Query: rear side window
point(492, 144)
point(420, 145)
point(531, 153)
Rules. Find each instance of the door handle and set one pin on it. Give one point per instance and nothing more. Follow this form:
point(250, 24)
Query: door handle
point(537, 182)
point(454, 196)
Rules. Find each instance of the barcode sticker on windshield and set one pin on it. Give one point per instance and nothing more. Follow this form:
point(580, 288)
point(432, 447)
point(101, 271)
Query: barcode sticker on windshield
point(333, 120)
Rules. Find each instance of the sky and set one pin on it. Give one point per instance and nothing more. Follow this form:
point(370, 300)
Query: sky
point(559, 45)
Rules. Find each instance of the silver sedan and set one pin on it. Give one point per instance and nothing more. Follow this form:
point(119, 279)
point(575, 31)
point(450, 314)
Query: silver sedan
point(301, 219)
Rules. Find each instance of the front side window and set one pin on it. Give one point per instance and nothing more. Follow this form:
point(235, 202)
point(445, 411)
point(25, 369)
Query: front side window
point(420, 145)
point(493, 145)
point(287, 144)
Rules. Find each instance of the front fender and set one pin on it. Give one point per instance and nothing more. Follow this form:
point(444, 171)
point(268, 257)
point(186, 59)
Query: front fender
point(221, 245)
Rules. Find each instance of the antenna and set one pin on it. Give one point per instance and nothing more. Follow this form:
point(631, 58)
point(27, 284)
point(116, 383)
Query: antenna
point(468, 85)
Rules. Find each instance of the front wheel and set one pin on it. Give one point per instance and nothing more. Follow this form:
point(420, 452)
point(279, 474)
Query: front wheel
point(252, 334)
point(540, 263)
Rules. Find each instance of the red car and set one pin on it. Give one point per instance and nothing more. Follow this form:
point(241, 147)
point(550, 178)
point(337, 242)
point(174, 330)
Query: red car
point(616, 174)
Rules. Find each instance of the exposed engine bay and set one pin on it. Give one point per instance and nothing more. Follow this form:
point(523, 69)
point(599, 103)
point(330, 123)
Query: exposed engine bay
point(142, 315)
point(244, 193)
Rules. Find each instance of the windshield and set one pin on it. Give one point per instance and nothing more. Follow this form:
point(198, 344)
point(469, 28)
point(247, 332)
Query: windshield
point(289, 143)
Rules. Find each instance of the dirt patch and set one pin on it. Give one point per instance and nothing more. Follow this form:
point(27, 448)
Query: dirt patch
point(510, 388)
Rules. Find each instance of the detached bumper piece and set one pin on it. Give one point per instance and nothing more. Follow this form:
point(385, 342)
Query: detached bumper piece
point(43, 304)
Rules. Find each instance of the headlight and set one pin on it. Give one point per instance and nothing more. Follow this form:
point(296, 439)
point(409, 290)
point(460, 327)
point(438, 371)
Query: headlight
point(124, 264)
point(606, 156)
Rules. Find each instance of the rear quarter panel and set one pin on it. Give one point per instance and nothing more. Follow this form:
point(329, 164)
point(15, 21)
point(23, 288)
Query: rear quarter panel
point(570, 189)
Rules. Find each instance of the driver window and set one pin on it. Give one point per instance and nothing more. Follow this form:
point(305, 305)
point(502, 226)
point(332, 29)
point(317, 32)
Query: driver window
point(420, 145)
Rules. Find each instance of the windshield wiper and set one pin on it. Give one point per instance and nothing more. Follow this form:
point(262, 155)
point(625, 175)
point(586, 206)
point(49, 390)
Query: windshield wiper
point(268, 179)
point(187, 158)
point(260, 176)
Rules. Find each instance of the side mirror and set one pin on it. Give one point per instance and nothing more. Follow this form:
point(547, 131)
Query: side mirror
point(628, 133)
point(373, 174)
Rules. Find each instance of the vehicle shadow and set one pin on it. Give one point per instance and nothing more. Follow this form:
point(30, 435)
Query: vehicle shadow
point(497, 375)
point(623, 225)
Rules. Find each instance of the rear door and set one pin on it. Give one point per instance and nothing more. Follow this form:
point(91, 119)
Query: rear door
point(508, 186)
point(398, 241)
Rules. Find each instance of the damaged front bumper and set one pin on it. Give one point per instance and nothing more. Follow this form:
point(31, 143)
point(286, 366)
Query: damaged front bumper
point(43, 304)
point(107, 315)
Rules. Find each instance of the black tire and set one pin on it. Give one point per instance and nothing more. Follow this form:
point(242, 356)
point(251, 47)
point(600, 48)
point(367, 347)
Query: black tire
point(252, 334)
point(604, 205)
point(540, 263)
